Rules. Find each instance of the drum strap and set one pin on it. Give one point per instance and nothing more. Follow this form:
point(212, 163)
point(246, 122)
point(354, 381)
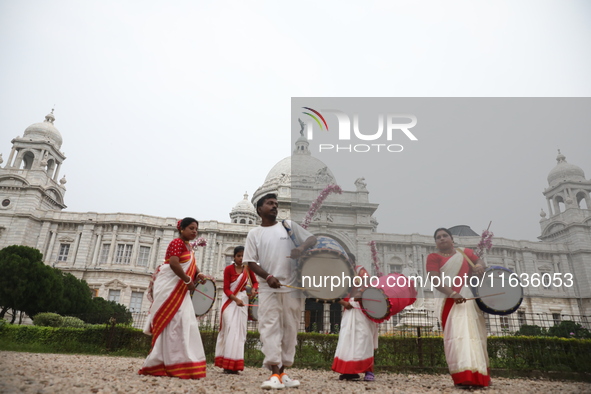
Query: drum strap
point(289, 232)
point(466, 257)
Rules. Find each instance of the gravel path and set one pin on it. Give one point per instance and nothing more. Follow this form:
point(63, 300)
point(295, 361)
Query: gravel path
point(64, 374)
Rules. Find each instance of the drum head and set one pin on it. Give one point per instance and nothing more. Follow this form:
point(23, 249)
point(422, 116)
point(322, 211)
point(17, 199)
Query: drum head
point(204, 297)
point(375, 304)
point(496, 280)
point(325, 274)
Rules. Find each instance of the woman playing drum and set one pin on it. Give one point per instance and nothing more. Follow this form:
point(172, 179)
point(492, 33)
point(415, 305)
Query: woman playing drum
point(358, 337)
point(177, 349)
point(464, 329)
point(229, 349)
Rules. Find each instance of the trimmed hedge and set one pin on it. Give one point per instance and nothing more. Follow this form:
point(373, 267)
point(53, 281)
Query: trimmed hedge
point(314, 350)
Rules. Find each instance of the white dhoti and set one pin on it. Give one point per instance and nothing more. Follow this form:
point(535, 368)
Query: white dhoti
point(279, 319)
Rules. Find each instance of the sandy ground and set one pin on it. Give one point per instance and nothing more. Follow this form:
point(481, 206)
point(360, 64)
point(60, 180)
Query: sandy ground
point(58, 373)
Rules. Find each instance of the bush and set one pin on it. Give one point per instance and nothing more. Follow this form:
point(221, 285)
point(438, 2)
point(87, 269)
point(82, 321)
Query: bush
point(569, 329)
point(47, 319)
point(70, 321)
point(530, 331)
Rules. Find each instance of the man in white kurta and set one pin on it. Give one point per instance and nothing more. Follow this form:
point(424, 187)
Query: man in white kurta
point(272, 253)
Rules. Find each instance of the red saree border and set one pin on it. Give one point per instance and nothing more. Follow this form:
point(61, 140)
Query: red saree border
point(239, 288)
point(228, 363)
point(352, 367)
point(169, 308)
point(182, 371)
point(471, 378)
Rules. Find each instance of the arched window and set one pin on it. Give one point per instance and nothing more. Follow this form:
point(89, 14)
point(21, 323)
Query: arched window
point(560, 203)
point(28, 159)
point(581, 200)
point(50, 167)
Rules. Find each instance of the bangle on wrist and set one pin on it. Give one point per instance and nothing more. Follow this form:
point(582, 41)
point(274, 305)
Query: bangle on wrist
point(269, 276)
point(187, 282)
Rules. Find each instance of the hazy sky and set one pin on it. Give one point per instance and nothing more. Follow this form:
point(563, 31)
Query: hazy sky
point(178, 108)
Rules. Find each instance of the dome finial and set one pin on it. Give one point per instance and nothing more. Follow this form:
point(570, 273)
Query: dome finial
point(560, 158)
point(246, 195)
point(50, 118)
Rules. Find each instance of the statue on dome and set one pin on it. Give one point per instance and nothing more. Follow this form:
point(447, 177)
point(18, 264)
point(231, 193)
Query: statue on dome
point(323, 176)
point(360, 184)
point(285, 178)
point(302, 124)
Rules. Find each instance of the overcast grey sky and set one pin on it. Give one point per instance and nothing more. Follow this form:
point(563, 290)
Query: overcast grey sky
point(178, 108)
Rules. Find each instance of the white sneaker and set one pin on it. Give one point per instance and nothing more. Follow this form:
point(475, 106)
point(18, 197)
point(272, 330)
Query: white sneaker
point(289, 382)
point(273, 383)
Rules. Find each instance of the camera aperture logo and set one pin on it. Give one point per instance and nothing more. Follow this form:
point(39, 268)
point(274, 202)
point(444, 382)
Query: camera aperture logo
point(389, 127)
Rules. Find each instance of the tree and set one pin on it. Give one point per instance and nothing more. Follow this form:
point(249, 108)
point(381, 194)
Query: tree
point(569, 329)
point(102, 311)
point(76, 297)
point(26, 284)
point(531, 330)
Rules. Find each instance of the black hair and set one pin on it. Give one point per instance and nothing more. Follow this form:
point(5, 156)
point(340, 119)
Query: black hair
point(238, 249)
point(186, 222)
point(440, 229)
point(262, 200)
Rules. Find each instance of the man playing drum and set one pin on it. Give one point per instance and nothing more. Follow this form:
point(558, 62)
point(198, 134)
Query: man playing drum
point(270, 253)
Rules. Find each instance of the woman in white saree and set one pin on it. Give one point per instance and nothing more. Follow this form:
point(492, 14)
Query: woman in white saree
point(177, 349)
point(229, 349)
point(464, 328)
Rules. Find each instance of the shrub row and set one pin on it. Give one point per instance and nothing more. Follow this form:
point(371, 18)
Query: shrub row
point(315, 350)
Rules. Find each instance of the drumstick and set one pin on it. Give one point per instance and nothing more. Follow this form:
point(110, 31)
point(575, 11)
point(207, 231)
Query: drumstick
point(299, 288)
point(204, 294)
point(490, 295)
point(251, 305)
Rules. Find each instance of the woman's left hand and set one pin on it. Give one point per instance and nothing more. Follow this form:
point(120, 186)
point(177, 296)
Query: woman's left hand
point(478, 270)
point(201, 278)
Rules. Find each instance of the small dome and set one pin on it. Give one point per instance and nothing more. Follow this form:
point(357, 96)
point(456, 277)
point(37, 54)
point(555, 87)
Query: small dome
point(564, 172)
point(244, 205)
point(44, 131)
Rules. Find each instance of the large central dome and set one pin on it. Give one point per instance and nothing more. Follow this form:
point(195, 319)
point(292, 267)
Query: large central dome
point(300, 171)
point(301, 167)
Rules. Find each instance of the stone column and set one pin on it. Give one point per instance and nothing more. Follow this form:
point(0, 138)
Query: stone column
point(113, 245)
point(97, 248)
point(153, 255)
point(76, 244)
point(136, 246)
point(49, 250)
point(9, 163)
point(57, 172)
